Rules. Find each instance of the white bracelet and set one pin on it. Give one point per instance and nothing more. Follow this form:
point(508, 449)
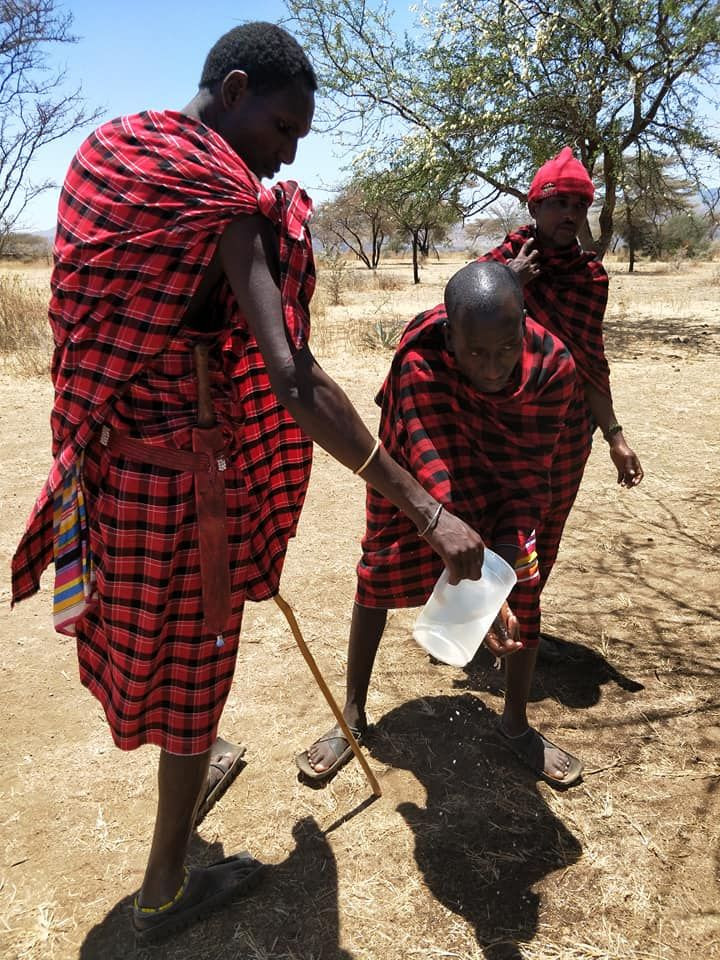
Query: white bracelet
point(369, 458)
point(433, 522)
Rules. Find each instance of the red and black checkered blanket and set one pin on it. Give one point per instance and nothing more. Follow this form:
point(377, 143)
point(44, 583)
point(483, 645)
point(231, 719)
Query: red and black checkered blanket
point(487, 457)
point(568, 298)
point(143, 207)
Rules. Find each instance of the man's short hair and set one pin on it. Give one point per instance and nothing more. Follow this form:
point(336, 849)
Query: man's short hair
point(479, 285)
point(271, 57)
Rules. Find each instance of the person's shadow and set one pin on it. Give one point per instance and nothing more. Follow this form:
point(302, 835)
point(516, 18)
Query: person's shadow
point(569, 672)
point(485, 837)
point(293, 912)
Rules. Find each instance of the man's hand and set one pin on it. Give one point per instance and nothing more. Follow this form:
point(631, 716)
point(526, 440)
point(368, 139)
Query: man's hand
point(629, 469)
point(526, 263)
point(503, 637)
point(462, 550)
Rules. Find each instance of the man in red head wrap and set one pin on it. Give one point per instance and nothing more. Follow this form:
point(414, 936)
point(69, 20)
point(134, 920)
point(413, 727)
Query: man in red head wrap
point(565, 289)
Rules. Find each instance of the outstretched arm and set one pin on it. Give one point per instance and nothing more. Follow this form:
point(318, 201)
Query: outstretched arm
point(247, 250)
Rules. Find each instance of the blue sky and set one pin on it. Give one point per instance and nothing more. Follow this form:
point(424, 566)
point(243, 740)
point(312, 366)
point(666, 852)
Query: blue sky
point(135, 55)
point(138, 54)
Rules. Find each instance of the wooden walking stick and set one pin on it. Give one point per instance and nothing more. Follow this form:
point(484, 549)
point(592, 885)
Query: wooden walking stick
point(337, 712)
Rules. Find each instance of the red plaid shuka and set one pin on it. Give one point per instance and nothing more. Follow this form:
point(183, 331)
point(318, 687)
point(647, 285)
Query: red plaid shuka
point(486, 457)
point(143, 207)
point(568, 298)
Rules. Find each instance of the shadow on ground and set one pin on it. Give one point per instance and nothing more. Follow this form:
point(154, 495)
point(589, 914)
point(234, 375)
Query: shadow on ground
point(486, 837)
point(569, 672)
point(293, 913)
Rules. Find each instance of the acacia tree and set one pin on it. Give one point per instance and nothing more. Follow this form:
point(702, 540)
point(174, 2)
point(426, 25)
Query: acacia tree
point(649, 196)
point(35, 106)
point(355, 219)
point(421, 202)
point(498, 86)
point(501, 218)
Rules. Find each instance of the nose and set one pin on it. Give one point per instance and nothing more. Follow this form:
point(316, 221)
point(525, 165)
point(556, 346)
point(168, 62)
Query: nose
point(493, 368)
point(287, 154)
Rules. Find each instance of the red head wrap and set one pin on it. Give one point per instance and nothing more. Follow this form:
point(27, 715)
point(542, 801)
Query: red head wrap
point(562, 174)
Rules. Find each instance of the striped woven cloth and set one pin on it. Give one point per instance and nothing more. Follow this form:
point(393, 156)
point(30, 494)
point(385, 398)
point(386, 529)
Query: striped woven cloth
point(75, 585)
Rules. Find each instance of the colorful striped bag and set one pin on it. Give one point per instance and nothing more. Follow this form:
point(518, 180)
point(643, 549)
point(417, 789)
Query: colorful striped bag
point(74, 572)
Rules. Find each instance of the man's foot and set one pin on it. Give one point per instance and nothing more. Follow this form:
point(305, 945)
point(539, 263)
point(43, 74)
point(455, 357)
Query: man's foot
point(322, 760)
point(557, 766)
point(205, 889)
point(226, 762)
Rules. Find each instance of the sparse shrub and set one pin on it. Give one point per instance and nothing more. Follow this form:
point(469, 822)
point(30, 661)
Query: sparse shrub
point(332, 269)
point(26, 247)
point(389, 281)
point(25, 339)
point(383, 334)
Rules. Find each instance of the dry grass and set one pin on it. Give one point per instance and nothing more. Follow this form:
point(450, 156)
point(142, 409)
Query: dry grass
point(465, 857)
point(25, 340)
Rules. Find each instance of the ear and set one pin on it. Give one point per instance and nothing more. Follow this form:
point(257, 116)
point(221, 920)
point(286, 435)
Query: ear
point(532, 207)
point(234, 87)
point(448, 337)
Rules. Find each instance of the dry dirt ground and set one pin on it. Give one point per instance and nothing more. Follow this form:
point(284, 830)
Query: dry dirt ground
point(465, 856)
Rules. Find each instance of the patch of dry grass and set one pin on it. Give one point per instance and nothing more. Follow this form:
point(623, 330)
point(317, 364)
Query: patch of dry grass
point(25, 339)
point(464, 857)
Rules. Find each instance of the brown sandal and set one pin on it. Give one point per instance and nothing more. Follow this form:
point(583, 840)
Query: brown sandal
point(220, 776)
point(339, 746)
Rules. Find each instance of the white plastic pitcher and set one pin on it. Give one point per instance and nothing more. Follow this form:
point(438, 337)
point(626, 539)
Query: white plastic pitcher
point(453, 623)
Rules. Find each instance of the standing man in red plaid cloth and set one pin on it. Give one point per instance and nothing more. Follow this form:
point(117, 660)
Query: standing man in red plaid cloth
point(473, 406)
point(566, 290)
point(186, 398)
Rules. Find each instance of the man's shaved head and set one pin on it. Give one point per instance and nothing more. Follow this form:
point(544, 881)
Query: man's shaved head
point(479, 291)
point(485, 330)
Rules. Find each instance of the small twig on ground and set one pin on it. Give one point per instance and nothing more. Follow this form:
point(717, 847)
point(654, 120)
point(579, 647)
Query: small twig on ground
point(649, 843)
point(687, 776)
point(608, 766)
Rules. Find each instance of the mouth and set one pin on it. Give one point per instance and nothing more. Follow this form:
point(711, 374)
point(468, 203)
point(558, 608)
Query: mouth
point(491, 386)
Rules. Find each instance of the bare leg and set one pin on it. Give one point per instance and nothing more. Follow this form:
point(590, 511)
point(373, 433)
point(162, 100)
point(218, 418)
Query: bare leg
point(184, 899)
point(366, 630)
point(519, 670)
point(180, 782)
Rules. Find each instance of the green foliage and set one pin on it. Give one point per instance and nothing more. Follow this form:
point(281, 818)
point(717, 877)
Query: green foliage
point(488, 90)
point(656, 215)
point(420, 204)
point(355, 219)
point(383, 334)
point(682, 234)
